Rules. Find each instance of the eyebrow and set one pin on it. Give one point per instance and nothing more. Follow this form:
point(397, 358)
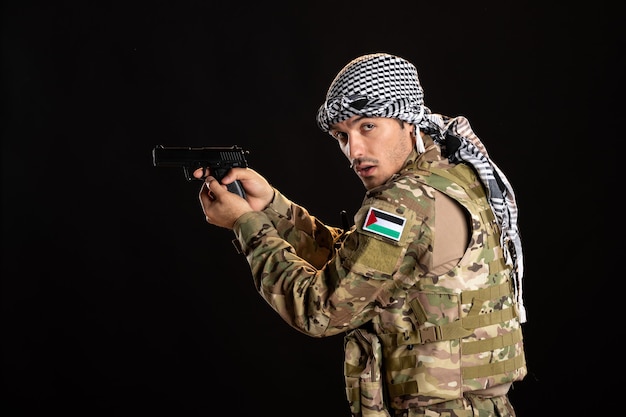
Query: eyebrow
point(358, 119)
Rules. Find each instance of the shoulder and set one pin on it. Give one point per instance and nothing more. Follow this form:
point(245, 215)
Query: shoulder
point(393, 212)
point(384, 226)
point(408, 193)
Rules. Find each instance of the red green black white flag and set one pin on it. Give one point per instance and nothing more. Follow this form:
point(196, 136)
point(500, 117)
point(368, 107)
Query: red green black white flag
point(384, 223)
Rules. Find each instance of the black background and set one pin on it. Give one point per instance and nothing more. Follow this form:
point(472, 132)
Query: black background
point(117, 297)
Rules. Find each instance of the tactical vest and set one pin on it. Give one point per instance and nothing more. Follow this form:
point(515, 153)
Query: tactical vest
point(456, 332)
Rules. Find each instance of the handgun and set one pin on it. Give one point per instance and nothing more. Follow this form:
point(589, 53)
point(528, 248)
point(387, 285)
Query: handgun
point(217, 159)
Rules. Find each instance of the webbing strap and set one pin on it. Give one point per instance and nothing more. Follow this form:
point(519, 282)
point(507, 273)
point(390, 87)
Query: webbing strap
point(463, 175)
point(482, 320)
point(480, 371)
point(449, 331)
point(497, 265)
point(403, 388)
point(467, 348)
point(429, 334)
point(489, 293)
point(495, 368)
point(350, 369)
point(400, 363)
point(493, 240)
point(418, 311)
point(467, 297)
point(487, 345)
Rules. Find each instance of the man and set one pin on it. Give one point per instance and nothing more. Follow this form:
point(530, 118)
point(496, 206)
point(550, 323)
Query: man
point(426, 286)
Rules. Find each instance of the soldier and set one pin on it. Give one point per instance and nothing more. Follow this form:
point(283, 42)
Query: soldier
point(426, 286)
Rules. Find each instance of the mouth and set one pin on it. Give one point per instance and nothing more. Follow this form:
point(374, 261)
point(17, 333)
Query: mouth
point(364, 170)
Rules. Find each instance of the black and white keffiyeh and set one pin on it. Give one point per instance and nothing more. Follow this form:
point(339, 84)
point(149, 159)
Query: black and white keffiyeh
point(384, 85)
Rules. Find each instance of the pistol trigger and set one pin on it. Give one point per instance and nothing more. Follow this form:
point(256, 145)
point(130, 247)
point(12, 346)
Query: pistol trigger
point(219, 173)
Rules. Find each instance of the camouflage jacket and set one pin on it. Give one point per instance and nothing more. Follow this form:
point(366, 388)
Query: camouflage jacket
point(439, 336)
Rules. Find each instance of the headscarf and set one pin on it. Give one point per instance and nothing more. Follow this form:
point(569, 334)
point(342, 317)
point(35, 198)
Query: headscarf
point(384, 85)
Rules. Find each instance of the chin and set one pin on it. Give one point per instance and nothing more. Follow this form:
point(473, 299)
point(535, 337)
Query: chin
point(369, 184)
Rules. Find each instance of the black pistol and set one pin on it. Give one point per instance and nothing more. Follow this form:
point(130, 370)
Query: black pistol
point(218, 159)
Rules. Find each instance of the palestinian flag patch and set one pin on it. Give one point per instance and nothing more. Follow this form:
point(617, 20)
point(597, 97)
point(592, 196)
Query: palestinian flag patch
point(384, 223)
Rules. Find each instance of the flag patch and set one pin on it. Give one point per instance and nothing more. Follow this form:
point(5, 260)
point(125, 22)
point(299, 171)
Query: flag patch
point(384, 223)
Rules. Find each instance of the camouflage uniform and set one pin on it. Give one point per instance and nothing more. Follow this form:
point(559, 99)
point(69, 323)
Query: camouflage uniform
point(415, 342)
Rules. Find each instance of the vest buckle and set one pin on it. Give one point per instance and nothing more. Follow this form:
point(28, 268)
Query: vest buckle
point(430, 334)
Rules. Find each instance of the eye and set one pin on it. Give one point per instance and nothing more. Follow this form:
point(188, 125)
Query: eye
point(340, 136)
point(367, 126)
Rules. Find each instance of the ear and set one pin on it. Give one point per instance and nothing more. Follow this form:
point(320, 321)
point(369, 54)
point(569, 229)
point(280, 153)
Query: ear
point(410, 127)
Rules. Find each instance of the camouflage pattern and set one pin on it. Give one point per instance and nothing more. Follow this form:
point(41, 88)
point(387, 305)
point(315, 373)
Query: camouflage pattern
point(469, 406)
point(440, 336)
point(362, 370)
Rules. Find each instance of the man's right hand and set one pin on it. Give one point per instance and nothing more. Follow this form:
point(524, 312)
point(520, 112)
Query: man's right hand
point(223, 208)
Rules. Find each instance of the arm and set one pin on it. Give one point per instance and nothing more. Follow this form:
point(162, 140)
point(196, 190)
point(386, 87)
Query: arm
point(317, 289)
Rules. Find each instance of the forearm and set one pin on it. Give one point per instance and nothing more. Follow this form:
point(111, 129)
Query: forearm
point(317, 299)
point(289, 283)
point(311, 239)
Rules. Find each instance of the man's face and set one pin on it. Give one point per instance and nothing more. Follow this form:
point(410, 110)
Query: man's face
point(377, 147)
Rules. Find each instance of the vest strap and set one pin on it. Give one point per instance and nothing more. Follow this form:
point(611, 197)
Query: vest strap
point(479, 371)
point(462, 174)
point(403, 388)
point(495, 368)
point(449, 331)
point(482, 320)
point(486, 345)
point(489, 293)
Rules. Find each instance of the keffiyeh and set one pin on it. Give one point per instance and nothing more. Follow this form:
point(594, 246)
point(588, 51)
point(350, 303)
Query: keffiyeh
point(383, 85)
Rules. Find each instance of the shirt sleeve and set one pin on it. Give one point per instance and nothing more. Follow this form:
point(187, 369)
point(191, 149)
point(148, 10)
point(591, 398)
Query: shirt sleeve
point(321, 280)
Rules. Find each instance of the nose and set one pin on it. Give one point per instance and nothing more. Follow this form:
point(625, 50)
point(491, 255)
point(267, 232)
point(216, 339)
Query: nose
point(356, 146)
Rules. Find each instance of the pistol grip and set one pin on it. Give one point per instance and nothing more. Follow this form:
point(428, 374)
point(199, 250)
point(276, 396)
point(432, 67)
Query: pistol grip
point(234, 187)
point(237, 188)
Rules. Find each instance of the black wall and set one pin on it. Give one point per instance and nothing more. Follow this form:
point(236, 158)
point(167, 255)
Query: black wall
point(118, 298)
